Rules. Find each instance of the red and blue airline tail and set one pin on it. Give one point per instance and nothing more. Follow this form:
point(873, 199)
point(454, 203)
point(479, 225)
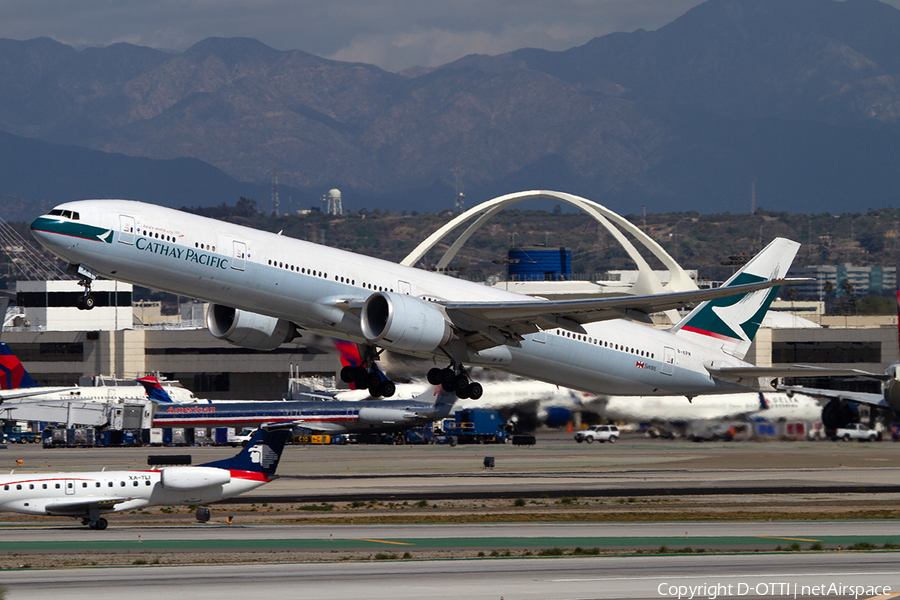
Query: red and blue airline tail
point(348, 352)
point(260, 455)
point(12, 374)
point(155, 390)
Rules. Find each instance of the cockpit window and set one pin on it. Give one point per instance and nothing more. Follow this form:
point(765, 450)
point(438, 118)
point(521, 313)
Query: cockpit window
point(68, 214)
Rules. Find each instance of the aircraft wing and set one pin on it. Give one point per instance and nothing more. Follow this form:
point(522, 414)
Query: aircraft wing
point(750, 372)
point(860, 397)
point(84, 506)
point(488, 324)
point(330, 428)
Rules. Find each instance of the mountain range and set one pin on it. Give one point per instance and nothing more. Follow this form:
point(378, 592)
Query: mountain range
point(797, 100)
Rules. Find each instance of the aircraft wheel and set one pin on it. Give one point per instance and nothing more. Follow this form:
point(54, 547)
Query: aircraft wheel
point(101, 524)
point(375, 390)
point(85, 521)
point(388, 389)
point(448, 386)
point(446, 377)
point(373, 379)
point(475, 390)
point(89, 302)
point(434, 376)
point(461, 382)
point(347, 374)
point(462, 393)
point(360, 373)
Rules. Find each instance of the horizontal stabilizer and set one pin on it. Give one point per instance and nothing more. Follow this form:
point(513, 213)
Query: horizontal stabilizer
point(737, 373)
point(859, 397)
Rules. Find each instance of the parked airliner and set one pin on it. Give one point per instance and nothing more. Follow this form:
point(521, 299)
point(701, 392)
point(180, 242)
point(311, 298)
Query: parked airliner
point(88, 496)
point(326, 416)
point(263, 287)
point(16, 383)
point(768, 406)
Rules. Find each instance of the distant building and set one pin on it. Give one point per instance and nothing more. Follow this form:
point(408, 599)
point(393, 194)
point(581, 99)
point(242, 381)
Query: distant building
point(866, 280)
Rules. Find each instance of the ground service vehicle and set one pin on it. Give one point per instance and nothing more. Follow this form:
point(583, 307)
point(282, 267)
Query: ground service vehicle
point(476, 427)
point(600, 433)
point(855, 431)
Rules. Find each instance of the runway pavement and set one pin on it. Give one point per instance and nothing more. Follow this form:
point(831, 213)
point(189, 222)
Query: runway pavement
point(812, 472)
point(555, 467)
point(716, 576)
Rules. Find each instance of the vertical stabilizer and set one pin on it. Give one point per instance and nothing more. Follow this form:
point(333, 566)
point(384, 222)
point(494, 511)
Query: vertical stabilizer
point(260, 455)
point(12, 374)
point(729, 324)
point(155, 391)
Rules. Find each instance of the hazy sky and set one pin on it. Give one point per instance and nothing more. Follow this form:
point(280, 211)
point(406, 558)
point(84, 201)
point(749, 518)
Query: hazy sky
point(393, 34)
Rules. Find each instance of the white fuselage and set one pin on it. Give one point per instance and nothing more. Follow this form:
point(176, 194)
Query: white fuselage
point(104, 393)
point(50, 493)
point(306, 283)
point(742, 406)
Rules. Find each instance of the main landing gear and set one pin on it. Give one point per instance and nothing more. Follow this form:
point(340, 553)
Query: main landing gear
point(370, 378)
point(99, 524)
point(454, 379)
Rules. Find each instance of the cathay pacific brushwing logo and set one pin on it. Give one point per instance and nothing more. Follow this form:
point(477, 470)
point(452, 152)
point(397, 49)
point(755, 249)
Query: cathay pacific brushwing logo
point(735, 317)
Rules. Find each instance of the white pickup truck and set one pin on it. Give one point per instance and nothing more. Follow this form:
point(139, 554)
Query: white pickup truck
point(855, 431)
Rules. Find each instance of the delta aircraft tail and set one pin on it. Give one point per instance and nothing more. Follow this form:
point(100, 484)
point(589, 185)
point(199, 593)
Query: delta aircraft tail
point(12, 373)
point(730, 324)
point(155, 391)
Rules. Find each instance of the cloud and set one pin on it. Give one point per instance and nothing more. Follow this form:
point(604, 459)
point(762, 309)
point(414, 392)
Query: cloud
point(393, 34)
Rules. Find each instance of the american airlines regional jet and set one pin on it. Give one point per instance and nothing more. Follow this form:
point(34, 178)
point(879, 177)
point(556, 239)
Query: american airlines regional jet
point(265, 288)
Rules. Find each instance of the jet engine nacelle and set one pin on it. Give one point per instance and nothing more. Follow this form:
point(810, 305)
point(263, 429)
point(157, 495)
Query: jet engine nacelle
point(385, 416)
point(403, 323)
point(247, 329)
point(892, 394)
point(837, 414)
point(192, 478)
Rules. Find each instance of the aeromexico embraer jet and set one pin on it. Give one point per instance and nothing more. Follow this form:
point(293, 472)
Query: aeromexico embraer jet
point(264, 287)
point(90, 495)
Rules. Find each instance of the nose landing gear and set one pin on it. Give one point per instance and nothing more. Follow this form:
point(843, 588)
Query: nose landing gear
point(86, 277)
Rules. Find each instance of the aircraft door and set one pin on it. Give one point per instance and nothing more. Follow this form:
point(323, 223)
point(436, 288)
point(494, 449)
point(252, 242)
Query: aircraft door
point(70, 487)
point(668, 366)
point(240, 256)
point(404, 288)
point(126, 229)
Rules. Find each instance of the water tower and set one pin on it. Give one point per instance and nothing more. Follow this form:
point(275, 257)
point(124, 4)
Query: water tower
point(332, 202)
